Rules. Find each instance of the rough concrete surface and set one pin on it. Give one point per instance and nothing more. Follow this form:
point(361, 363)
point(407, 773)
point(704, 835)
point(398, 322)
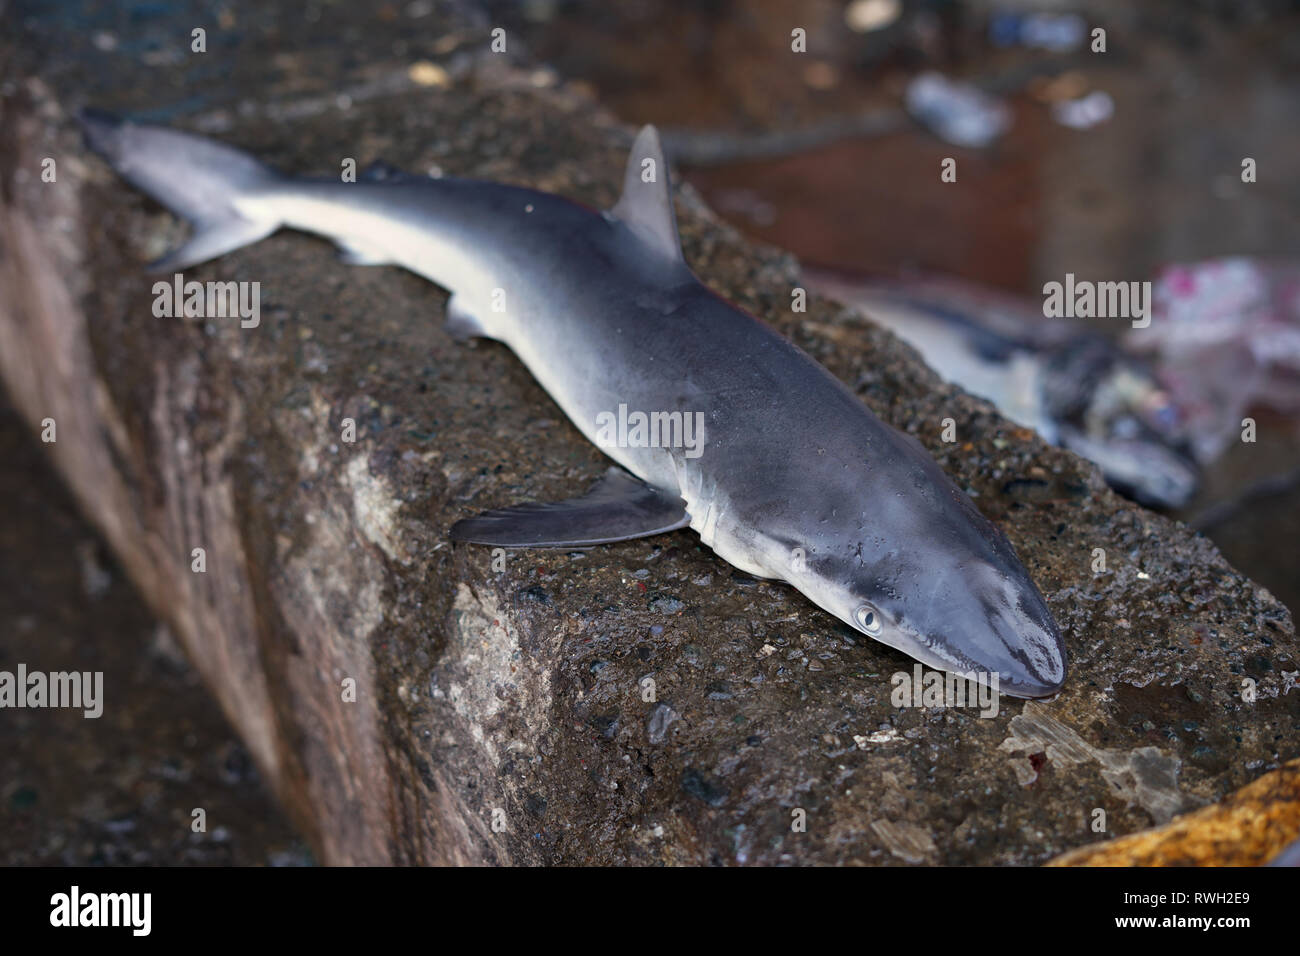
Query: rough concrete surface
point(521, 690)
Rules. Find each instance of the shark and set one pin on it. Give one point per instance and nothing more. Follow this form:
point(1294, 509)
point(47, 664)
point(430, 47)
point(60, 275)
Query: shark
point(787, 476)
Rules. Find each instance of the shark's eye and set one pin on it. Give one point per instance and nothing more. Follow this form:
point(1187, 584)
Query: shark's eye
point(868, 619)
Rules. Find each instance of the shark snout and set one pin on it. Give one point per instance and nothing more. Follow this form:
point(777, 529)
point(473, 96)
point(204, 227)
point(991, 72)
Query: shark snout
point(992, 620)
point(1034, 679)
point(1023, 641)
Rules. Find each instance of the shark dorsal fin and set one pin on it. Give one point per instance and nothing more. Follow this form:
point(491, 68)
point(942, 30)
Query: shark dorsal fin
point(646, 206)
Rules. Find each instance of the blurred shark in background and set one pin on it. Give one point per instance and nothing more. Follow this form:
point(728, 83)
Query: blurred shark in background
point(1074, 386)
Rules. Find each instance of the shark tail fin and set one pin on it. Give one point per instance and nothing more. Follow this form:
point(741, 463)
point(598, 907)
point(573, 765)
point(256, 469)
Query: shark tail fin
point(196, 178)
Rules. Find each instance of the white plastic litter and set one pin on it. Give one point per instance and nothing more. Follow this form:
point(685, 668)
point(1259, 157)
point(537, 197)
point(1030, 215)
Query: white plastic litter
point(1086, 111)
point(957, 112)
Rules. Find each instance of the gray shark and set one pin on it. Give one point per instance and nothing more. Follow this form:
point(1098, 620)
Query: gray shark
point(790, 477)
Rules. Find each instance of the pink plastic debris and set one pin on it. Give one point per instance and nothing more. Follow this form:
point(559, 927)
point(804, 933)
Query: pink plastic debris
point(1225, 335)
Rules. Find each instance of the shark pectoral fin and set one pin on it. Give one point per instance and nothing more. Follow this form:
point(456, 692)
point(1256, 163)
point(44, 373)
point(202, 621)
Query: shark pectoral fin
point(646, 206)
point(617, 508)
point(355, 253)
point(211, 241)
